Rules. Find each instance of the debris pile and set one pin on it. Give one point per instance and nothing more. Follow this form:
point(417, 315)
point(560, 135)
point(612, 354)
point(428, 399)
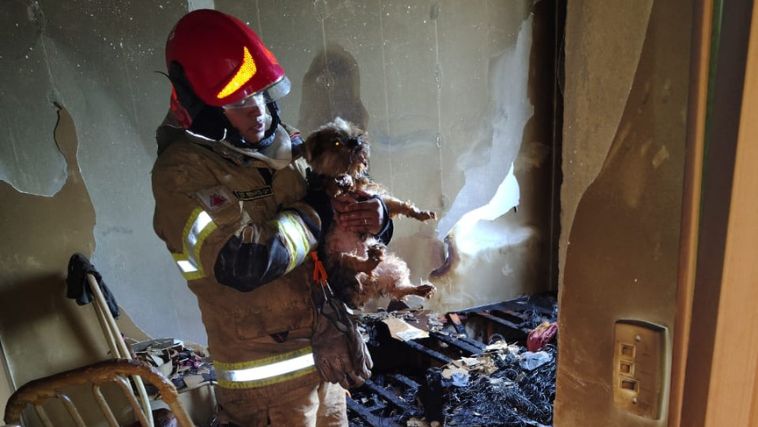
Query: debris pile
point(467, 368)
point(187, 367)
point(512, 388)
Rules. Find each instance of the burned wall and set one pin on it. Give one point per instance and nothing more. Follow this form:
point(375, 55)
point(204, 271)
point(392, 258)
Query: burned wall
point(627, 75)
point(432, 81)
point(41, 331)
point(452, 94)
point(80, 183)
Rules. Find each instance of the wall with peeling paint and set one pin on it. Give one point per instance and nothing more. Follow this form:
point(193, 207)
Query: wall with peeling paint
point(41, 331)
point(451, 94)
point(627, 76)
point(96, 60)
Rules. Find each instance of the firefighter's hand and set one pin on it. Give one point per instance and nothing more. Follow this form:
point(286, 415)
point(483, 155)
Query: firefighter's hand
point(360, 216)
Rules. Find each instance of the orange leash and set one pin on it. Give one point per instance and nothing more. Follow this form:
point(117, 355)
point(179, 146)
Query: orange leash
point(319, 272)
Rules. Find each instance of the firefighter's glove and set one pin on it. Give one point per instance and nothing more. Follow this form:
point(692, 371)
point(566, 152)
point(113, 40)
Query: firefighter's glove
point(317, 198)
point(340, 354)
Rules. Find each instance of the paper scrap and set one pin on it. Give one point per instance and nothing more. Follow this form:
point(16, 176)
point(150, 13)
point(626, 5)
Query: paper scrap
point(400, 330)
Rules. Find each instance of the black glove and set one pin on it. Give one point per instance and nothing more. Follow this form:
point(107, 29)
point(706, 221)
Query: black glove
point(385, 234)
point(339, 351)
point(317, 198)
point(78, 287)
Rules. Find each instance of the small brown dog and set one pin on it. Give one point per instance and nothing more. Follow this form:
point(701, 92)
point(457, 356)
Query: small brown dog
point(358, 265)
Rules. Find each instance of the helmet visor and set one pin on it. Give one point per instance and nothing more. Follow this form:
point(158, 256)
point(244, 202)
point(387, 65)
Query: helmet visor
point(254, 100)
point(278, 89)
point(272, 93)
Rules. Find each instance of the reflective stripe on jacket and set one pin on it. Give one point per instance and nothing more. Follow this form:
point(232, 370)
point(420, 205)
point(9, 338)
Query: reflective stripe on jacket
point(267, 371)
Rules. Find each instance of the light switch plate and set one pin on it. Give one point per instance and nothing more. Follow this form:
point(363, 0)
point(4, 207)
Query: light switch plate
point(638, 367)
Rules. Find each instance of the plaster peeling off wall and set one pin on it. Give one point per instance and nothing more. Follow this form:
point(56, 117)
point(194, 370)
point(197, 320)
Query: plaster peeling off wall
point(487, 162)
point(42, 332)
point(431, 80)
point(445, 88)
point(29, 159)
point(98, 60)
point(490, 246)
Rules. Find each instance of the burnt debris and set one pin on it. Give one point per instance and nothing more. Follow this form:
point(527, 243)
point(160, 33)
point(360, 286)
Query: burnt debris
point(469, 368)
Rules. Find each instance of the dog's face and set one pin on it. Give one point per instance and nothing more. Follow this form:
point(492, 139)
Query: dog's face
point(338, 148)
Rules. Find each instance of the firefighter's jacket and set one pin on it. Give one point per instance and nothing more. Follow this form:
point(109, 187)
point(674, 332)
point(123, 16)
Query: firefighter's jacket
point(240, 237)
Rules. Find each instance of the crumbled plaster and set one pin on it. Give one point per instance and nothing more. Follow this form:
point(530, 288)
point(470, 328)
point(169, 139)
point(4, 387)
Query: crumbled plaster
point(490, 246)
point(487, 161)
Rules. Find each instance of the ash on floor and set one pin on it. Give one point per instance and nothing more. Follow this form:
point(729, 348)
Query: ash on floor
point(469, 368)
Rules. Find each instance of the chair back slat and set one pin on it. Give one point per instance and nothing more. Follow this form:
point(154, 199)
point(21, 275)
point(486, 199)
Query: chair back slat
point(105, 409)
point(42, 416)
point(71, 408)
point(124, 385)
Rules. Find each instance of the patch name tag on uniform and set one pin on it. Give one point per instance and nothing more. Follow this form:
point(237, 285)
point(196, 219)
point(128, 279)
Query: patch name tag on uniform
point(215, 198)
point(257, 193)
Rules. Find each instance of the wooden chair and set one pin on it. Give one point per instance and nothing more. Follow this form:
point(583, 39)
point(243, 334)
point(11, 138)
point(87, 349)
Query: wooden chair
point(97, 375)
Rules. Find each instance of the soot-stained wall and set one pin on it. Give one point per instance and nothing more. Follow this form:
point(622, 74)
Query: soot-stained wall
point(81, 183)
point(450, 93)
point(627, 76)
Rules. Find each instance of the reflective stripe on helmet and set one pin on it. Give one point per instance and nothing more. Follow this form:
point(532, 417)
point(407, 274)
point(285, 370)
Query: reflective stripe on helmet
point(267, 371)
point(196, 230)
point(296, 238)
point(243, 75)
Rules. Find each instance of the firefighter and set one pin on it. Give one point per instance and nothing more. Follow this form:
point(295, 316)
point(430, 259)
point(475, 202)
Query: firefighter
point(233, 207)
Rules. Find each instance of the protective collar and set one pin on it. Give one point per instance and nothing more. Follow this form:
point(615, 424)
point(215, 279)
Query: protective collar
point(277, 155)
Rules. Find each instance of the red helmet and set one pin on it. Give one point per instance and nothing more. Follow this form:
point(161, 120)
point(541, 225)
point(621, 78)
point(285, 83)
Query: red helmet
point(223, 60)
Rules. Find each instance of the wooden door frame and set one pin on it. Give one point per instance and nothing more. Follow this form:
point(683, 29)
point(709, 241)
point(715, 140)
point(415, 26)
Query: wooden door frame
point(714, 378)
point(693, 176)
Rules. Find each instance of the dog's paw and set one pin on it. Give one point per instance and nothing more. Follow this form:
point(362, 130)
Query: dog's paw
point(424, 215)
point(426, 290)
point(344, 182)
point(376, 253)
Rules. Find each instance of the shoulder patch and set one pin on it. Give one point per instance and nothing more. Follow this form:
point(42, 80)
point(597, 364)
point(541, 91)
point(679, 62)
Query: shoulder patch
point(215, 198)
point(256, 193)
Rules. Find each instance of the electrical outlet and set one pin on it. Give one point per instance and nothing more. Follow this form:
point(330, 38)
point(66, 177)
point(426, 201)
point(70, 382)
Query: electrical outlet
point(638, 367)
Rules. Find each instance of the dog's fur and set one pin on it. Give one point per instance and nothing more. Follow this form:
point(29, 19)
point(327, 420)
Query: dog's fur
point(358, 265)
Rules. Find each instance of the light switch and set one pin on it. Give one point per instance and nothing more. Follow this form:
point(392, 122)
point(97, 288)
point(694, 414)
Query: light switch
point(638, 367)
point(626, 368)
